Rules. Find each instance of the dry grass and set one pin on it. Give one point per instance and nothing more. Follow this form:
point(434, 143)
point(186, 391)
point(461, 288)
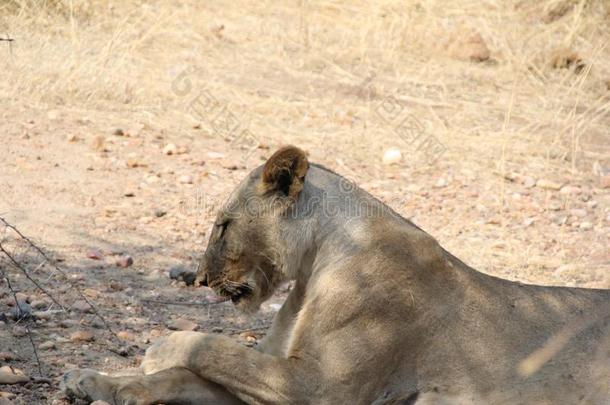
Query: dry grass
point(312, 73)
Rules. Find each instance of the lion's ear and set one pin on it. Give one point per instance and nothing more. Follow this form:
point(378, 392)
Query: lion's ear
point(285, 171)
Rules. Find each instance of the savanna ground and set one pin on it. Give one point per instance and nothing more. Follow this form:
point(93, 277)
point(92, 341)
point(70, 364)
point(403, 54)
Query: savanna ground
point(124, 125)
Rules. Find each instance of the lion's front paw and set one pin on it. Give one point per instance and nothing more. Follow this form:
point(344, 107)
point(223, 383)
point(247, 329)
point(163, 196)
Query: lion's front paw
point(171, 351)
point(86, 384)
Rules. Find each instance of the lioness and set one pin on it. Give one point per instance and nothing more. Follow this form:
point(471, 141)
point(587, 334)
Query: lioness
point(380, 313)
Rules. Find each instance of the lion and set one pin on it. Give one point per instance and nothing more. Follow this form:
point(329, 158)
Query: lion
point(379, 313)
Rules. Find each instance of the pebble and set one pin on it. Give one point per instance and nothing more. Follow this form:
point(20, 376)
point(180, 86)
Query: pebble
point(9, 375)
point(115, 285)
point(528, 182)
point(528, 221)
point(183, 324)
point(160, 213)
point(48, 345)
point(39, 304)
point(19, 331)
point(22, 297)
point(6, 356)
point(94, 254)
point(170, 149)
point(82, 336)
point(440, 183)
point(82, 306)
point(7, 395)
point(548, 184)
point(125, 335)
point(592, 204)
point(21, 310)
point(391, 156)
point(99, 402)
point(578, 212)
point(72, 138)
point(124, 261)
point(185, 179)
point(604, 181)
point(98, 143)
point(217, 329)
point(585, 226)
point(570, 190)
point(180, 273)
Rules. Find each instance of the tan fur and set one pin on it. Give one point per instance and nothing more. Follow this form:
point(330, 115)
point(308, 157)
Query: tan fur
point(380, 313)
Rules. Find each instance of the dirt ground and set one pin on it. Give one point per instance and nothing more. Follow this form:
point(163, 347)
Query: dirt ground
point(124, 126)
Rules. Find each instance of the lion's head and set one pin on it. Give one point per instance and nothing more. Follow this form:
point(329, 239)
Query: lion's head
point(246, 254)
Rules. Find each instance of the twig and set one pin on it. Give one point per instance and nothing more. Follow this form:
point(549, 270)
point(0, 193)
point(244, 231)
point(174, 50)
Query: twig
point(25, 273)
point(186, 304)
point(20, 316)
point(65, 276)
point(27, 328)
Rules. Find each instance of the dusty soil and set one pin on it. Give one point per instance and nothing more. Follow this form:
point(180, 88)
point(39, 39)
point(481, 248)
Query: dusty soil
point(123, 127)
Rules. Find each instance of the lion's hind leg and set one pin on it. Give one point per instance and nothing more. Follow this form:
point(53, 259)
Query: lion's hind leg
point(171, 386)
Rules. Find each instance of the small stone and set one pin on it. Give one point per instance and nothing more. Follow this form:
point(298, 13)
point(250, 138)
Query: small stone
point(215, 155)
point(118, 132)
point(91, 293)
point(548, 184)
point(182, 150)
point(180, 273)
point(185, 179)
point(217, 329)
point(183, 324)
point(391, 156)
point(440, 183)
point(98, 143)
point(39, 304)
point(99, 402)
point(170, 149)
point(570, 190)
point(20, 311)
point(6, 356)
point(115, 285)
point(82, 336)
point(7, 395)
point(125, 335)
point(578, 212)
point(48, 345)
point(604, 181)
point(528, 182)
point(81, 306)
point(46, 315)
point(528, 221)
point(124, 261)
point(247, 336)
point(72, 138)
point(23, 297)
point(94, 254)
point(10, 375)
point(19, 331)
point(159, 213)
point(585, 226)
point(176, 272)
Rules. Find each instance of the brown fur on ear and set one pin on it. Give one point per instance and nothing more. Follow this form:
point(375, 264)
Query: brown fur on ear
point(285, 171)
